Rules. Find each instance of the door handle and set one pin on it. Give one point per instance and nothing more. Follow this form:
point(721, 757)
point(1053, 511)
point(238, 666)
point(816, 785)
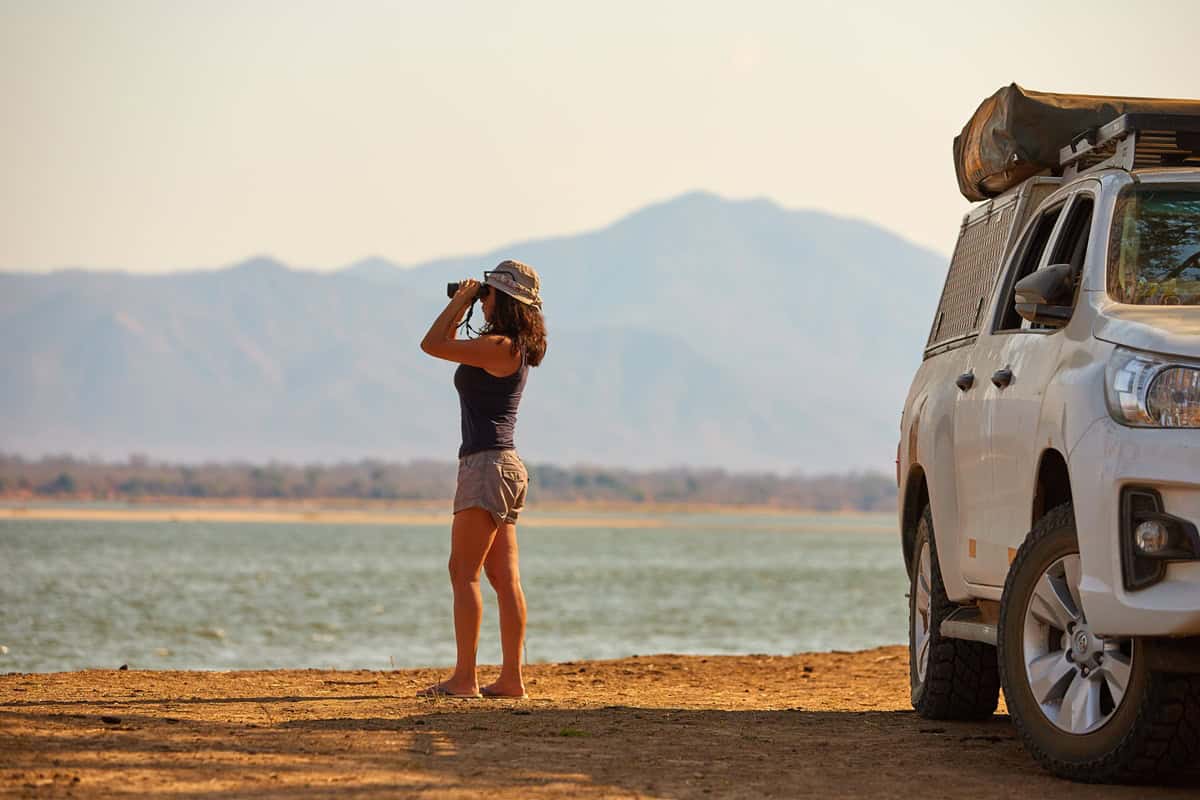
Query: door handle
point(965, 381)
point(1002, 377)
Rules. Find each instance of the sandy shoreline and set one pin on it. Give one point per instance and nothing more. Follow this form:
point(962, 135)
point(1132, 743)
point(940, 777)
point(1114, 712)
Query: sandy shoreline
point(555, 516)
point(812, 725)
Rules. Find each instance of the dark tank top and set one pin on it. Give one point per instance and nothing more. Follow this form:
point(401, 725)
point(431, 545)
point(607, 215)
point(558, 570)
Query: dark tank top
point(489, 407)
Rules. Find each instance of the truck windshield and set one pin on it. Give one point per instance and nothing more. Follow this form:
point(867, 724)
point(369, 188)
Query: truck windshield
point(1154, 254)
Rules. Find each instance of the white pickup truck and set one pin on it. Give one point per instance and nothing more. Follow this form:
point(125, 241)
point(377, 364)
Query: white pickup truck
point(1049, 461)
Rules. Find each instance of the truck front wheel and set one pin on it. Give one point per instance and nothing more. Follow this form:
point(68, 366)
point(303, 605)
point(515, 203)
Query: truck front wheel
point(1087, 707)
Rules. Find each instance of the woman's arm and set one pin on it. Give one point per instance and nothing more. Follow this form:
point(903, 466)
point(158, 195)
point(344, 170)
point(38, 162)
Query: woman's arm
point(445, 327)
point(492, 353)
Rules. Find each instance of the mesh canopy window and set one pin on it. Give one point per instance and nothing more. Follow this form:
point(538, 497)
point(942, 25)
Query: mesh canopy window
point(972, 275)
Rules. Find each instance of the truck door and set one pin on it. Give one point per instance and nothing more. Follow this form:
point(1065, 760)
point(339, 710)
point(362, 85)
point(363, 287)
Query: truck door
point(976, 482)
point(985, 557)
point(1031, 358)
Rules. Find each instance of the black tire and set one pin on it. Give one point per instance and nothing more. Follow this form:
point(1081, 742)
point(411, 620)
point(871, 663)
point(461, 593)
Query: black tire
point(1152, 731)
point(961, 678)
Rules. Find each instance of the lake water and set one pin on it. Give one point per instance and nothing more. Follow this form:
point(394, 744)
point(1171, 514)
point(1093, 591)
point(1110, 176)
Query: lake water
point(171, 595)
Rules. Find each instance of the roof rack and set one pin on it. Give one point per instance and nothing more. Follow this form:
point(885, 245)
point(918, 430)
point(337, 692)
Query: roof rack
point(1135, 140)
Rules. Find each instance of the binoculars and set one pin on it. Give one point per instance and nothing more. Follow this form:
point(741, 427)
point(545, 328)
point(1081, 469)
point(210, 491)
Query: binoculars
point(480, 293)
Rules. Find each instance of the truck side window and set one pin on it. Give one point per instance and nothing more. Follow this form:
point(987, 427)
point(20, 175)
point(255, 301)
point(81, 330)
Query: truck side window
point(1030, 258)
point(1071, 247)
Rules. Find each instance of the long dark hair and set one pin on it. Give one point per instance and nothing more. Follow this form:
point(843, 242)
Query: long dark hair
point(521, 323)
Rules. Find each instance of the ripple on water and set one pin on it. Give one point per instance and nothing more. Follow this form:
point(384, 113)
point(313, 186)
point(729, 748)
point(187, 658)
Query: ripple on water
point(157, 595)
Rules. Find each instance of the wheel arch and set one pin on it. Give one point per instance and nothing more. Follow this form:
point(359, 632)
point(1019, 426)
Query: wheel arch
point(916, 497)
point(1052, 487)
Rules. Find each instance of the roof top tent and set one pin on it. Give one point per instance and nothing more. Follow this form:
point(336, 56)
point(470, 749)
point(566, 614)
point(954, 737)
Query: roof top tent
point(1017, 133)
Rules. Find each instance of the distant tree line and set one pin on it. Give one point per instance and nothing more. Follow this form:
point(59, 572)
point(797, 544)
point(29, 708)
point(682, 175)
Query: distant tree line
point(139, 477)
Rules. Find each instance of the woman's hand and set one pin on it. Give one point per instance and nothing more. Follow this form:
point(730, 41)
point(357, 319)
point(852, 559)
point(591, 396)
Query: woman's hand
point(467, 289)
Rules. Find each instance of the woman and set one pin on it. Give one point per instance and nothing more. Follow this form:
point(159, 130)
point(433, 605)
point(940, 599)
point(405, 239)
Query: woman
point(491, 478)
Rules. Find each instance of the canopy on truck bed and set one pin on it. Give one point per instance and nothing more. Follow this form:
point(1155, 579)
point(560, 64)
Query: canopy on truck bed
point(1017, 133)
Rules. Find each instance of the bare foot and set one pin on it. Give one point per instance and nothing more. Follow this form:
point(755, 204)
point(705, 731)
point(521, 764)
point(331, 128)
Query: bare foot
point(498, 689)
point(445, 689)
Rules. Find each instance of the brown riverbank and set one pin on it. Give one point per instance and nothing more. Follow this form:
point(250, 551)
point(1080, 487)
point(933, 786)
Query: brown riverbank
point(295, 513)
point(816, 725)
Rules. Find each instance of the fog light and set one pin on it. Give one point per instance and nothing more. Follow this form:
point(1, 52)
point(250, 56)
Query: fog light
point(1151, 537)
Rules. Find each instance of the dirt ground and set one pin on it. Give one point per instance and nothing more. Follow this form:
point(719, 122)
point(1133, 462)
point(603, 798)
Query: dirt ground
point(818, 725)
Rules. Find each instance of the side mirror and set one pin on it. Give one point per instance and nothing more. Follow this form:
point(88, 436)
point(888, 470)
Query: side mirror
point(1045, 296)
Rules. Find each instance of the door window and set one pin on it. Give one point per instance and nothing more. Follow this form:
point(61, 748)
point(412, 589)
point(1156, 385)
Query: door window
point(1070, 247)
point(1032, 250)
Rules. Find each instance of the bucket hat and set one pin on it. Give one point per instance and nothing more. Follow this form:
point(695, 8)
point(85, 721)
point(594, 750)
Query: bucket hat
point(517, 280)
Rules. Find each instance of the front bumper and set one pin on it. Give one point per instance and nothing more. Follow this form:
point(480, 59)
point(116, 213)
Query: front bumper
point(1108, 458)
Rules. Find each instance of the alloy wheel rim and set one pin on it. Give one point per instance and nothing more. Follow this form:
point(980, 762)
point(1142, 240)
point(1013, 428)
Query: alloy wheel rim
point(1077, 678)
point(922, 635)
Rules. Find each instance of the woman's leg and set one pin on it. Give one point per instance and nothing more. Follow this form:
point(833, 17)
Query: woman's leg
point(470, 538)
point(505, 577)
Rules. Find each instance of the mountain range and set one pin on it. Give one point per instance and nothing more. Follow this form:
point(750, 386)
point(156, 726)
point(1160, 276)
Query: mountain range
point(699, 331)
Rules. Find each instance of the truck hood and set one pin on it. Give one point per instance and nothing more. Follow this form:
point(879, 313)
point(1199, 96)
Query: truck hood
point(1168, 330)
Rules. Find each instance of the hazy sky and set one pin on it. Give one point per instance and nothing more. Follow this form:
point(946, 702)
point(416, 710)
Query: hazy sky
point(161, 135)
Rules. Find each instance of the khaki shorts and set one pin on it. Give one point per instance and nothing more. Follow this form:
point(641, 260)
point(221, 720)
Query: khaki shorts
point(494, 480)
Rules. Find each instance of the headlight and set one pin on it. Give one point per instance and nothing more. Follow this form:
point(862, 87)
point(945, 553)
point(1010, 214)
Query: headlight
point(1152, 391)
point(1174, 397)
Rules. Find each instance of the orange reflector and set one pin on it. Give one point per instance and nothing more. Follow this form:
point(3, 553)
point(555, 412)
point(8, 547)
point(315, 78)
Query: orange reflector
point(1012, 554)
point(971, 547)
